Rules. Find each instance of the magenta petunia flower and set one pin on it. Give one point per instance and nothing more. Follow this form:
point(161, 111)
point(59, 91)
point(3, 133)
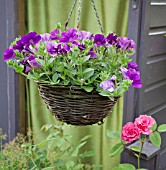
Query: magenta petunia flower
point(126, 44)
point(69, 36)
point(30, 39)
point(33, 63)
point(132, 73)
point(19, 46)
point(9, 54)
point(99, 39)
point(111, 38)
point(92, 53)
point(54, 35)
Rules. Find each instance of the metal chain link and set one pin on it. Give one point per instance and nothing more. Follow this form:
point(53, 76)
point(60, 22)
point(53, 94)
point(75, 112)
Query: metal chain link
point(97, 16)
point(70, 14)
point(79, 13)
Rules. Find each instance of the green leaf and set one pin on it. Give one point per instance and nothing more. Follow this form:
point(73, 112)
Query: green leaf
point(85, 138)
point(86, 58)
point(75, 152)
point(153, 128)
point(116, 150)
point(113, 134)
point(162, 128)
point(73, 72)
point(87, 88)
point(87, 73)
point(58, 163)
point(46, 127)
point(55, 77)
point(49, 168)
point(19, 68)
point(124, 167)
point(155, 138)
point(40, 61)
point(69, 164)
point(42, 143)
point(105, 93)
point(135, 148)
point(87, 154)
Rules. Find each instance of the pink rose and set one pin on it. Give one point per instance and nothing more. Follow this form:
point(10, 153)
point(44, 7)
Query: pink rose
point(130, 132)
point(144, 123)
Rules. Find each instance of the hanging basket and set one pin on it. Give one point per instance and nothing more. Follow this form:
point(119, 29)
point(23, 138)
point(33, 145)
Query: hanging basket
point(73, 105)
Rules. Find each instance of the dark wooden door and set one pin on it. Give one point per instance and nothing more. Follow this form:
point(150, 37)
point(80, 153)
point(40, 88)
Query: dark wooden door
point(147, 26)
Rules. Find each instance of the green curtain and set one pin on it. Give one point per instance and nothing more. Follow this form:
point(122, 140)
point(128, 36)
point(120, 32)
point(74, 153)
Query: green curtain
point(41, 16)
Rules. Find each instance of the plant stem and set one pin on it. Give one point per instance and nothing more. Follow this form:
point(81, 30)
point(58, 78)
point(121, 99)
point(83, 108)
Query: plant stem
point(142, 143)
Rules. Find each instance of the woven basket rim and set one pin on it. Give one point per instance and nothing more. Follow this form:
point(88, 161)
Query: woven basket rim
point(77, 87)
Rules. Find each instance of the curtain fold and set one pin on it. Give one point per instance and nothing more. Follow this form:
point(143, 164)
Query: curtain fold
point(41, 16)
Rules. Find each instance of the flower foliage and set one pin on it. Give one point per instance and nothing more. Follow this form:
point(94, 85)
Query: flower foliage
point(73, 57)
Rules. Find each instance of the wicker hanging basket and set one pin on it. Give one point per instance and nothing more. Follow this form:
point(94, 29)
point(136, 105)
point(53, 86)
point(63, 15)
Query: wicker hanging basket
point(73, 105)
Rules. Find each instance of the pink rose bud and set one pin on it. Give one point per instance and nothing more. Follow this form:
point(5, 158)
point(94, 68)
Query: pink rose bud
point(144, 123)
point(130, 132)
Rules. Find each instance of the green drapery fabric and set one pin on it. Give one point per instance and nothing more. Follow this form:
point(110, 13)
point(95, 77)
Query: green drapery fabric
point(41, 17)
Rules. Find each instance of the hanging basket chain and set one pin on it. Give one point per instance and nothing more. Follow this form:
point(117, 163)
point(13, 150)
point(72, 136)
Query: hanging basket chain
point(70, 14)
point(97, 16)
point(79, 13)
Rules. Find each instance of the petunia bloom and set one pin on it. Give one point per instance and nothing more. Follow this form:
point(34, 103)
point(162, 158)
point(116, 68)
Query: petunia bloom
point(69, 36)
point(45, 37)
point(111, 38)
point(132, 73)
point(108, 84)
point(92, 53)
point(99, 39)
point(54, 35)
point(126, 44)
point(33, 63)
point(9, 54)
point(84, 35)
point(31, 39)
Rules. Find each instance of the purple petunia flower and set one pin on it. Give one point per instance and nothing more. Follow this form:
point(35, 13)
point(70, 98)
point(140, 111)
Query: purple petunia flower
point(99, 39)
point(54, 48)
point(133, 65)
point(69, 36)
point(82, 35)
point(30, 39)
point(45, 37)
point(23, 44)
point(81, 46)
point(19, 46)
point(55, 34)
point(132, 73)
point(9, 54)
point(33, 63)
point(108, 84)
point(92, 53)
point(126, 44)
point(111, 39)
